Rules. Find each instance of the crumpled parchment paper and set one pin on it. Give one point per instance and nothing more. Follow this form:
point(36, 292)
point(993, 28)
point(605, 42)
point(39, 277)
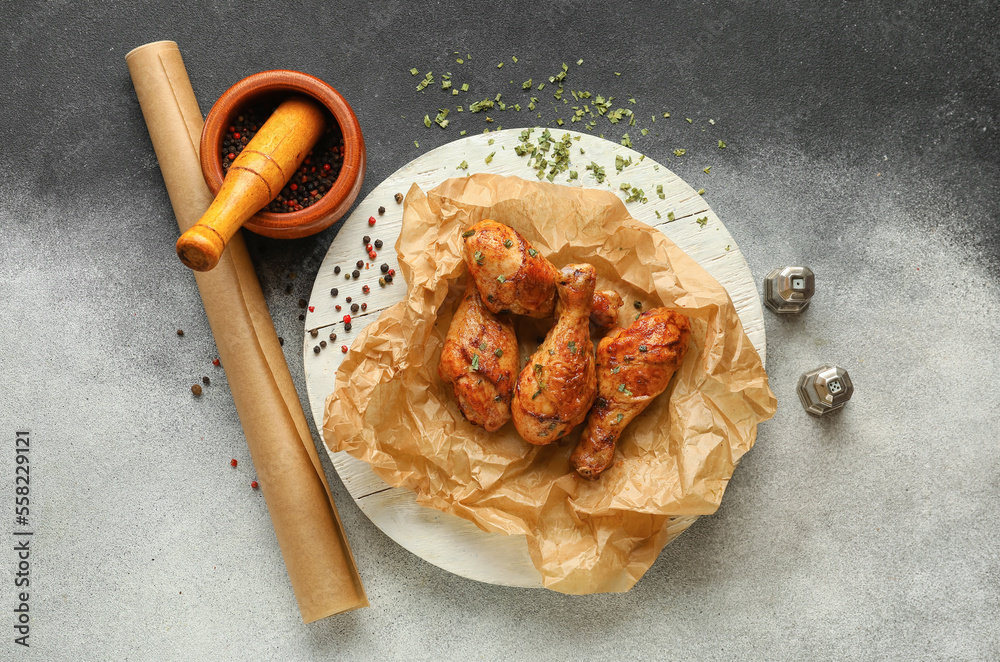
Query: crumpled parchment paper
point(674, 461)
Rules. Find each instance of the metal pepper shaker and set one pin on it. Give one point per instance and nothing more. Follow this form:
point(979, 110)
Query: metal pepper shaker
point(825, 389)
point(789, 289)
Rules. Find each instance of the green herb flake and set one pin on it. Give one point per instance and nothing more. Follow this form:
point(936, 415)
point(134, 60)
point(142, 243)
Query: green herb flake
point(500, 65)
point(707, 170)
point(479, 257)
point(626, 141)
point(416, 144)
point(501, 279)
point(703, 221)
point(666, 114)
point(459, 60)
point(688, 120)
point(573, 174)
point(465, 87)
point(462, 132)
point(489, 157)
point(722, 145)
point(414, 71)
point(579, 62)
point(622, 389)
point(538, 368)
point(658, 214)
point(644, 132)
point(619, 419)
point(701, 191)
point(445, 84)
point(572, 346)
point(468, 233)
point(532, 252)
point(514, 58)
point(643, 348)
point(498, 353)
point(680, 152)
point(475, 362)
point(552, 352)
point(536, 394)
point(427, 121)
point(508, 243)
point(464, 165)
point(711, 121)
point(616, 370)
point(482, 346)
point(670, 216)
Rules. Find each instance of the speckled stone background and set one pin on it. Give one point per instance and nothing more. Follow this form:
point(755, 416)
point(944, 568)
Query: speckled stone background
point(862, 141)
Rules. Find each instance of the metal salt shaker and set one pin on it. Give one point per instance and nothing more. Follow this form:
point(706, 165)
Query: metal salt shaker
point(825, 389)
point(789, 289)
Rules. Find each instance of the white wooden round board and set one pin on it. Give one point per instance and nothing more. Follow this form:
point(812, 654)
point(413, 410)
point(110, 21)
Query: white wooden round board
point(447, 541)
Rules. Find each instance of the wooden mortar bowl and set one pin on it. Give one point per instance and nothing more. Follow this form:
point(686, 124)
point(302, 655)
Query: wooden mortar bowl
point(273, 85)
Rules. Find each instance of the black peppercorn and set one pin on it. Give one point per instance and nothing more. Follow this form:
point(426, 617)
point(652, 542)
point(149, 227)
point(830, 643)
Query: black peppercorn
point(180, 332)
point(399, 197)
point(333, 337)
point(314, 333)
point(347, 327)
point(334, 292)
point(359, 264)
point(336, 270)
point(366, 240)
point(354, 307)
point(356, 273)
point(378, 244)
point(206, 380)
point(322, 343)
point(316, 349)
point(384, 268)
point(381, 210)
point(301, 317)
point(303, 303)
point(348, 299)
point(388, 278)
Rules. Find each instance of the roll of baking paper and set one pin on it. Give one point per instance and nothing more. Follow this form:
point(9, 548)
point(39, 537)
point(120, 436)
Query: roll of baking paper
point(318, 559)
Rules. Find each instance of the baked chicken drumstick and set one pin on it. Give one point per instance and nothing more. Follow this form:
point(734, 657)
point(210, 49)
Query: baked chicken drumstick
point(558, 385)
point(480, 360)
point(512, 276)
point(634, 365)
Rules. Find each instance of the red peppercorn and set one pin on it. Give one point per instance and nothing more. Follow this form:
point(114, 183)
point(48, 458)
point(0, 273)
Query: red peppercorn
point(347, 319)
point(294, 187)
point(371, 220)
point(392, 272)
point(343, 348)
point(366, 289)
point(216, 362)
point(312, 309)
point(254, 484)
point(326, 166)
point(338, 308)
point(231, 156)
point(369, 248)
point(372, 255)
point(233, 462)
point(236, 135)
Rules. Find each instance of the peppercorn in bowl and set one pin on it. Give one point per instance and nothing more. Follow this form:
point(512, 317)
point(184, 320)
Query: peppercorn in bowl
point(327, 182)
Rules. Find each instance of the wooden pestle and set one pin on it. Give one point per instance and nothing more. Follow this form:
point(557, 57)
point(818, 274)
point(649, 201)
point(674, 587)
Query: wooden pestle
point(254, 179)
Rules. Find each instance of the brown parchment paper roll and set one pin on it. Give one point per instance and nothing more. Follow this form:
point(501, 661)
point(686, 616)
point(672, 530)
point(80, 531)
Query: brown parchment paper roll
point(320, 565)
point(673, 462)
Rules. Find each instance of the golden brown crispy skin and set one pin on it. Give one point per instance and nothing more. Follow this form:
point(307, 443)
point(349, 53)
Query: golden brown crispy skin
point(634, 365)
point(480, 360)
point(558, 385)
point(512, 276)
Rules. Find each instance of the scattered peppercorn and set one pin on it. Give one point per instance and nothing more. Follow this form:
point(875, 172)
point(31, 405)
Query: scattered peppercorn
point(338, 307)
point(333, 336)
point(312, 309)
point(359, 264)
point(399, 198)
point(354, 307)
point(364, 306)
point(334, 292)
point(355, 273)
point(303, 303)
point(205, 380)
point(336, 269)
point(316, 349)
point(347, 276)
point(378, 244)
point(281, 341)
point(233, 462)
point(347, 327)
point(196, 389)
point(384, 268)
point(301, 317)
point(322, 343)
point(381, 281)
point(343, 348)
point(216, 362)
point(314, 333)
point(366, 240)
point(347, 319)
point(637, 304)
point(372, 255)
point(371, 220)
point(381, 210)
point(388, 278)
point(180, 332)
point(392, 272)
point(313, 178)
point(366, 289)
point(254, 484)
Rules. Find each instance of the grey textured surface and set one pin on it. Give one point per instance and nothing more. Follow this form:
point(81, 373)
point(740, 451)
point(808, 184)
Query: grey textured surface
point(862, 142)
